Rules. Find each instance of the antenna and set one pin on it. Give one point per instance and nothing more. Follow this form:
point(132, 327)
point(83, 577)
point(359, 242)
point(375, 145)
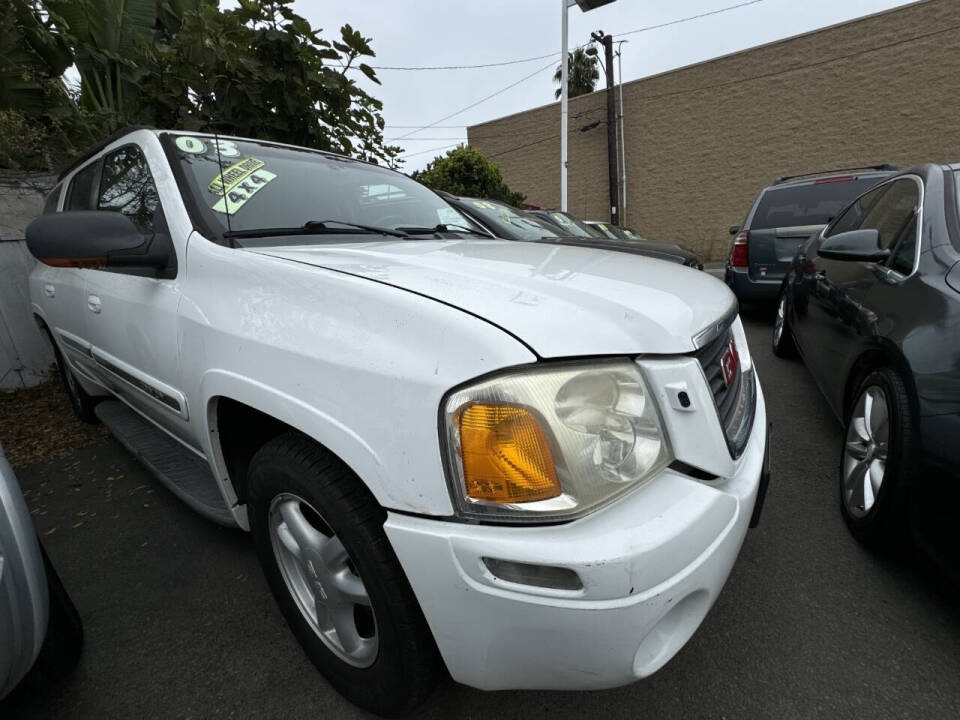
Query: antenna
point(216, 136)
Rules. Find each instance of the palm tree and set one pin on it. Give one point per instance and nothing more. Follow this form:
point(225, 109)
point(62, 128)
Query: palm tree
point(582, 74)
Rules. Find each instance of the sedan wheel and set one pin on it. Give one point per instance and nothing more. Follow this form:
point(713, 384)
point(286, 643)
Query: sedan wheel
point(865, 456)
point(878, 458)
point(323, 580)
point(782, 339)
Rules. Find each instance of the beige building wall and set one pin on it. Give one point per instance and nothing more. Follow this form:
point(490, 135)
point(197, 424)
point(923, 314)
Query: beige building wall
point(702, 141)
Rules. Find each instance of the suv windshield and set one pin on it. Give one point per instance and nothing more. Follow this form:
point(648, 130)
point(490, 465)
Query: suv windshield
point(810, 204)
point(264, 186)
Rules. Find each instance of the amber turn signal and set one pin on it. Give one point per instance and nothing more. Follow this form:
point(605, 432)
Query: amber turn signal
point(505, 454)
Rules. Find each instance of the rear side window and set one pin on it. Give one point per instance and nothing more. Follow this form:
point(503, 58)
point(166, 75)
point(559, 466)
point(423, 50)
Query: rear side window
point(50, 204)
point(80, 194)
point(127, 187)
point(810, 204)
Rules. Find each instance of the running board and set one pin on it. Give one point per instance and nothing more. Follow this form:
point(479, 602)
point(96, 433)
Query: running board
point(182, 472)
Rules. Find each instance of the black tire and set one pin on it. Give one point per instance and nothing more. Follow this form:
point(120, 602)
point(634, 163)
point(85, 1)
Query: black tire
point(82, 403)
point(407, 664)
point(782, 341)
point(63, 642)
point(886, 523)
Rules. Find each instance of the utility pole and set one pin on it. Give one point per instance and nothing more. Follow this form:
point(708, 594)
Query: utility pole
point(586, 6)
point(612, 178)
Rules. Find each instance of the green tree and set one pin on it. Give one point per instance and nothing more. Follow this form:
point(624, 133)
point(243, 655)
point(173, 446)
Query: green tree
point(40, 122)
point(261, 70)
point(582, 74)
point(465, 171)
point(256, 70)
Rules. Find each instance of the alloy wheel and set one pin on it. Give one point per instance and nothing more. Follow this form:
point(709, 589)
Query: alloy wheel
point(778, 323)
point(323, 580)
point(865, 453)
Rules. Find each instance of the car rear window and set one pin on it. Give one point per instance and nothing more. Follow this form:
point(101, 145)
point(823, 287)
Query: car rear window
point(811, 204)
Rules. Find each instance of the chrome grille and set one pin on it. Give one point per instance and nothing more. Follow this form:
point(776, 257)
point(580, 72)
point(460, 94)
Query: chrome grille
point(735, 402)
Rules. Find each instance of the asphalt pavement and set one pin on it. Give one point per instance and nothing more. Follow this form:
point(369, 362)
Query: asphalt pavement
point(180, 624)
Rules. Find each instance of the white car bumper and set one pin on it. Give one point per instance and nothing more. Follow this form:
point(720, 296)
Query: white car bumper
point(651, 564)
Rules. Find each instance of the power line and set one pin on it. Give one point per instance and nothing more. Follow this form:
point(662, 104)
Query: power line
point(436, 149)
point(463, 67)
point(761, 76)
point(504, 63)
point(474, 104)
point(688, 19)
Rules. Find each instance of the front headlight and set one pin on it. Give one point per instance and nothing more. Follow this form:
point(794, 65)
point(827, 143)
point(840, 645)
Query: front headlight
point(551, 443)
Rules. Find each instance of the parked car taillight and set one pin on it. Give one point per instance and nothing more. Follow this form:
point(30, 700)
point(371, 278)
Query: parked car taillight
point(738, 254)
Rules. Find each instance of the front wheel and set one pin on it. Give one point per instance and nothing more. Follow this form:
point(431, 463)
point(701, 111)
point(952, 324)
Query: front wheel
point(878, 452)
point(783, 345)
point(319, 535)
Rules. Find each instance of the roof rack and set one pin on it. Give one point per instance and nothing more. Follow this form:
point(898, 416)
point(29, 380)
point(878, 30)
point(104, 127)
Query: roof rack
point(883, 166)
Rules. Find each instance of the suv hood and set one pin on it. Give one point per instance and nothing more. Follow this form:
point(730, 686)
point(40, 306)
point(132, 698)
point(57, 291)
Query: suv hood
point(562, 301)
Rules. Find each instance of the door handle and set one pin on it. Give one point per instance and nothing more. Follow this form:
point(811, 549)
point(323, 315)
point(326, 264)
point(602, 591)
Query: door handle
point(49, 290)
point(93, 303)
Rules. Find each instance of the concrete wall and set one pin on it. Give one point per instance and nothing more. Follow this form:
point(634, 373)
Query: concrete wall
point(702, 141)
point(25, 356)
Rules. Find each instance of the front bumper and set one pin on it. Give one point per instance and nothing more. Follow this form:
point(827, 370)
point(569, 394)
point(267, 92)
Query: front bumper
point(652, 564)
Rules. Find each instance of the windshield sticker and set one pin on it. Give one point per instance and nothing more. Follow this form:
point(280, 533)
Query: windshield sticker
point(484, 205)
point(195, 146)
point(562, 219)
point(191, 145)
point(238, 183)
point(234, 175)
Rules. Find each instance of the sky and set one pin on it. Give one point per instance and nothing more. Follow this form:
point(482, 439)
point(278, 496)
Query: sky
point(453, 32)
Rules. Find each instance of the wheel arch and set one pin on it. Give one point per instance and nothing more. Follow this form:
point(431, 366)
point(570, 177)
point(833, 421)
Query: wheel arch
point(241, 415)
point(883, 354)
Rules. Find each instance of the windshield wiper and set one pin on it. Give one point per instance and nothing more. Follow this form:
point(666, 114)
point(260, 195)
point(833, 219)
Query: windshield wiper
point(316, 227)
point(439, 229)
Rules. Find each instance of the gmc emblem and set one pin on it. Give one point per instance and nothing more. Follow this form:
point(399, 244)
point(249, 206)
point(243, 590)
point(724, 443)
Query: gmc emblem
point(730, 363)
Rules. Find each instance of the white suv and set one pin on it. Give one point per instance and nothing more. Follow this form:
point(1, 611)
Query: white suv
point(533, 464)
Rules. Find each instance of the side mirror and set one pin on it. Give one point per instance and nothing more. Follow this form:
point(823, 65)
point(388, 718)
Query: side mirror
point(734, 229)
point(95, 239)
point(863, 245)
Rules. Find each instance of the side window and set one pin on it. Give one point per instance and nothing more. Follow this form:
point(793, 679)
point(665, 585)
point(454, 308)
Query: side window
point(852, 217)
point(127, 186)
point(50, 204)
point(80, 194)
point(892, 213)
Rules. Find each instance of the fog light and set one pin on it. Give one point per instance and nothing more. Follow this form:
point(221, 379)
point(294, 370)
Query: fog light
point(546, 576)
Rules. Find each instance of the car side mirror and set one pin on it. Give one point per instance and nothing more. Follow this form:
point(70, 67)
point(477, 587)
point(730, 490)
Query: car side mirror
point(96, 239)
point(863, 245)
point(734, 229)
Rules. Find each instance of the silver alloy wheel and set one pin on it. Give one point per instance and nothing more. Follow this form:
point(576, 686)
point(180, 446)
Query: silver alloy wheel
point(865, 454)
point(323, 580)
point(778, 323)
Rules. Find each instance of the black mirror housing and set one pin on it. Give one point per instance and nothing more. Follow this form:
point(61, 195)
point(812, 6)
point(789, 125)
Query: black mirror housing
point(862, 245)
point(734, 229)
point(95, 239)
